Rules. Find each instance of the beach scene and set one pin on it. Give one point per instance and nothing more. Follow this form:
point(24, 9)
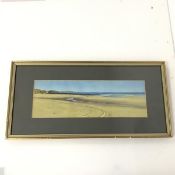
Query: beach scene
point(89, 98)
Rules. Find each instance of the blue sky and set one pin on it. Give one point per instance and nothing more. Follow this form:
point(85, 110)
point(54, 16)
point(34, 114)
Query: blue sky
point(91, 85)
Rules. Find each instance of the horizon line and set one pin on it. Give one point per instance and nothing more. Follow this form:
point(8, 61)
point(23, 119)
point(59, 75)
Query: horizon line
point(88, 91)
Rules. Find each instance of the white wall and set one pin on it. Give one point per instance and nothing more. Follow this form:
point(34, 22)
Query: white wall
point(85, 30)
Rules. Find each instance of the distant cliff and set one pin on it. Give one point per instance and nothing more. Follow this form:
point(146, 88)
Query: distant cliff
point(39, 91)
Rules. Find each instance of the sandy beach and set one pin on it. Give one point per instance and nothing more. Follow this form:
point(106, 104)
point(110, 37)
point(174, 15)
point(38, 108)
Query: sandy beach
point(79, 106)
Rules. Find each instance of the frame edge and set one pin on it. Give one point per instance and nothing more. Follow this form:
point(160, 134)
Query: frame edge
point(10, 99)
point(96, 63)
point(166, 100)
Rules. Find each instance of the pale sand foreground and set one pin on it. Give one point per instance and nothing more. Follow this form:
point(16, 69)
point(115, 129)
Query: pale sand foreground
point(67, 105)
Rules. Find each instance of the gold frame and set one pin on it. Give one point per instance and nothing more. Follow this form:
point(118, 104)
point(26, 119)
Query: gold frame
point(14, 64)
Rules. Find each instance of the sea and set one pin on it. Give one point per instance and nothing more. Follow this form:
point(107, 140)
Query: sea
point(121, 94)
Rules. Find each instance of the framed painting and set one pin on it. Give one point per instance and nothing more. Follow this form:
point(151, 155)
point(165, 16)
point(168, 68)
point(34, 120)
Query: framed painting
point(52, 99)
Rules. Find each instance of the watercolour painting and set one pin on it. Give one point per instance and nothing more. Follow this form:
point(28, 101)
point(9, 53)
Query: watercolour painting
point(89, 98)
